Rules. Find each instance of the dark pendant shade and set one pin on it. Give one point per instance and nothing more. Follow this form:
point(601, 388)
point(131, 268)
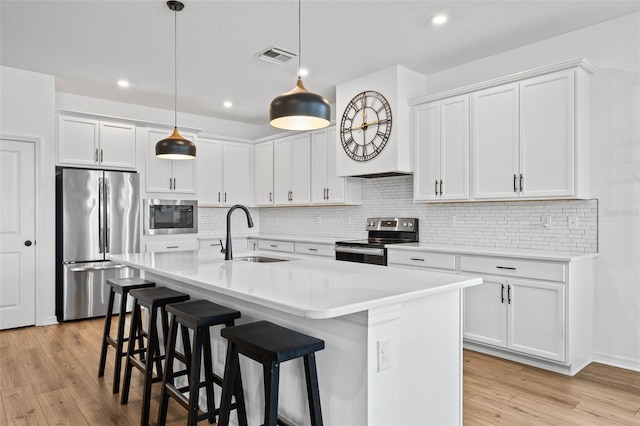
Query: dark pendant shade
point(299, 109)
point(175, 147)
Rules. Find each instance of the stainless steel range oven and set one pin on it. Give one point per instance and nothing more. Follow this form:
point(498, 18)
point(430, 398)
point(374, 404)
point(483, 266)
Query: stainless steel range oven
point(382, 231)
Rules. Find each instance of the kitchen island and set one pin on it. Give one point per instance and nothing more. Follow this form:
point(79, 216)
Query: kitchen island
point(393, 353)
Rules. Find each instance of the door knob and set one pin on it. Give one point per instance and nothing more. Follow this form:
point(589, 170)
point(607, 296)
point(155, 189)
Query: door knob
point(27, 243)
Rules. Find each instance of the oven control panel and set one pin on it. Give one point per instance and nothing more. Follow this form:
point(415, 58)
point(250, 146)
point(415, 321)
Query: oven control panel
point(392, 224)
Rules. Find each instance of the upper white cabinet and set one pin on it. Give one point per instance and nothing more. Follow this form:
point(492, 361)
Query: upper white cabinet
point(264, 173)
point(91, 143)
point(178, 176)
point(326, 186)
point(292, 170)
point(224, 173)
point(523, 138)
point(442, 150)
point(528, 132)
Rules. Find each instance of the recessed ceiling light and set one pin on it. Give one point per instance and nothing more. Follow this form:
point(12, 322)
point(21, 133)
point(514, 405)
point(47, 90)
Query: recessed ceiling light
point(227, 104)
point(123, 83)
point(303, 72)
point(439, 19)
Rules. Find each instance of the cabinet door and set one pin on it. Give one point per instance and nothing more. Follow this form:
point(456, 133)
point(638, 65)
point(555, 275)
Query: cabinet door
point(319, 166)
point(485, 317)
point(301, 168)
point(454, 162)
point(494, 142)
point(336, 186)
point(117, 145)
point(209, 159)
point(547, 135)
point(237, 173)
point(158, 177)
point(536, 318)
point(427, 144)
point(77, 141)
point(282, 170)
point(264, 174)
point(185, 173)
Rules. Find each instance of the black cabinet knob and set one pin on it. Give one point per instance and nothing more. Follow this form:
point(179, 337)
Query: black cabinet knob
point(27, 243)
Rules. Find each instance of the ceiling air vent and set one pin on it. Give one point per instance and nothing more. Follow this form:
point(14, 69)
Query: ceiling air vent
point(275, 54)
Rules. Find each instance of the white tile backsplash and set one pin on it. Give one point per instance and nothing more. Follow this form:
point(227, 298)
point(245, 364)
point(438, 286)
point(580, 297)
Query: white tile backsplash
point(213, 221)
point(512, 224)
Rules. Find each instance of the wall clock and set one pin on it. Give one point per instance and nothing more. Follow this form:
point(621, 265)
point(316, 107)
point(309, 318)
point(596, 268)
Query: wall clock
point(365, 126)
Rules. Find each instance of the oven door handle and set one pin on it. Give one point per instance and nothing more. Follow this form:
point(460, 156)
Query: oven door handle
point(360, 250)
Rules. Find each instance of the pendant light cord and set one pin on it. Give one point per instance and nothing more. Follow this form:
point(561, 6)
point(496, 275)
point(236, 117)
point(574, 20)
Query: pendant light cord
point(299, 40)
point(175, 68)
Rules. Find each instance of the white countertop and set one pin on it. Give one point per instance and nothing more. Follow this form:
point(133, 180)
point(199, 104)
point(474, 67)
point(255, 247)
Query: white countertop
point(311, 288)
point(558, 256)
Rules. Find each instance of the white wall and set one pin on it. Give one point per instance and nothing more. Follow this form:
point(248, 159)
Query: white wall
point(27, 105)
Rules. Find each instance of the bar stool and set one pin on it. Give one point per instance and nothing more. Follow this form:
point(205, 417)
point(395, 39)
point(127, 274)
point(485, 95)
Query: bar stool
point(153, 299)
point(197, 315)
point(270, 344)
point(121, 286)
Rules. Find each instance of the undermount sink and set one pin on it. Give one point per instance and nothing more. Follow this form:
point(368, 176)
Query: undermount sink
point(259, 259)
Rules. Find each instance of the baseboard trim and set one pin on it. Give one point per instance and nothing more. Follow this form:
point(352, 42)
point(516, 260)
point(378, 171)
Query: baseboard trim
point(617, 361)
point(47, 321)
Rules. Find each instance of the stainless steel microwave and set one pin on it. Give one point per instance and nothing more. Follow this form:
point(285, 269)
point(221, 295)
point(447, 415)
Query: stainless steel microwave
point(170, 216)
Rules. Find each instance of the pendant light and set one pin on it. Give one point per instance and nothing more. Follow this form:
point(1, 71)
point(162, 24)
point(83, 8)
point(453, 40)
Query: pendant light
point(299, 109)
point(175, 147)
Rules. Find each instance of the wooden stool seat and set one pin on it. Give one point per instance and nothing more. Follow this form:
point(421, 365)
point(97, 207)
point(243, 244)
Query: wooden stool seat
point(153, 299)
point(270, 344)
point(199, 316)
point(121, 286)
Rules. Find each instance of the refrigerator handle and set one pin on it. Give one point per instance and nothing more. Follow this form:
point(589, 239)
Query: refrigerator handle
point(100, 216)
point(107, 214)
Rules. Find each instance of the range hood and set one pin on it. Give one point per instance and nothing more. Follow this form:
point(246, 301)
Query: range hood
point(395, 85)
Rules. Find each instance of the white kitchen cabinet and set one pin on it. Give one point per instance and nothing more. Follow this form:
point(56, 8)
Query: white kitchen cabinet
point(422, 260)
point(170, 245)
point(315, 249)
point(177, 176)
point(88, 142)
point(224, 173)
point(441, 135)
point(485, 316)
point(523, 138)
point(264, 174)
point(276, 245)
point(292, 170)
point(326, 186)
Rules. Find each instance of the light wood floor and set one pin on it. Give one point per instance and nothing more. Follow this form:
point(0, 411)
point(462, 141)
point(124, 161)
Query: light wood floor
point(48, 376)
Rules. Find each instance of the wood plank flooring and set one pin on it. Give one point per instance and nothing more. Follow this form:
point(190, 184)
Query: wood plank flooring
point(48, 376)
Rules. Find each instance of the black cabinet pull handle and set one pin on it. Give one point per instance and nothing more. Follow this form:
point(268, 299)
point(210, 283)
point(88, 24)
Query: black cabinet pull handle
point(436, 186)
point(502, 294)
point(96, 155)
point(225, 197)
point(515, 189)
point(417, 259)
point(172, 247)
point(101, 155)
point(509, 294)
point(440, 187)
point(313, 249)
point(506, 267)
point(270, 196)
point(327, 193)
point(218, 196)
point(521, 178)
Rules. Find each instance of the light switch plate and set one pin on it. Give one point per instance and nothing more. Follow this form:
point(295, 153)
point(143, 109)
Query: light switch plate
point(384, 354)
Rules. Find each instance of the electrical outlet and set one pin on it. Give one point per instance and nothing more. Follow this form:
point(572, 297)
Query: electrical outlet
point(384, 354)
point(573, 222)
point(545, 221)
point(222, 351)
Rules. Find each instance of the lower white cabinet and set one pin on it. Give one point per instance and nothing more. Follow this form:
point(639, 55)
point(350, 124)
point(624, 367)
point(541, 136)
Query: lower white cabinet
point(315, 249)
point(422, 260)
point(285, 246)
point(158, 246)
point(521, 315)
point(319, 249)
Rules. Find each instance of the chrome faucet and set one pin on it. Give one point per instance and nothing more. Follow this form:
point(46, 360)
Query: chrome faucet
point(228, 253)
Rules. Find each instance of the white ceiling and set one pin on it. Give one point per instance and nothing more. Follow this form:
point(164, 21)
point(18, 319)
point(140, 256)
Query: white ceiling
point(88, 45)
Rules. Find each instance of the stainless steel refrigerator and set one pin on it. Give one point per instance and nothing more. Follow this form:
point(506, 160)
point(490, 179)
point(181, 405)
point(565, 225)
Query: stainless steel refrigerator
point(97, 213)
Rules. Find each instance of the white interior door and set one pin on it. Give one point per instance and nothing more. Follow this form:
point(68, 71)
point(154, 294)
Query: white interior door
point(17, 234)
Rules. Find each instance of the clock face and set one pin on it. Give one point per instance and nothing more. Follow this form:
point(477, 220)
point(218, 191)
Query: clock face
point(365, 126)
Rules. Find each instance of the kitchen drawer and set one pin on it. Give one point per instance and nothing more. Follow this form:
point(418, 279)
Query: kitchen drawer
point(422, 259)
point(171, 246)
point(209, 243)
point(316, 249)
point(286, 246)
point(553, 271)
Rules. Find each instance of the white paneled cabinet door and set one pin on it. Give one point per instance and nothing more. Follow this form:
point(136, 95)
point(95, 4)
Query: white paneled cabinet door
point(117, 145)
point(495, 142)
point(547, 135)
point(209, 159)
point(159, 176)
point(454, 151)
point(77, 141)
point(319, 166)
point(301, 169)
point(427, 140)
point(536, 318)
point(184, 173)
point(237, 173)
point(485, 318)
point(17, 234)
point(337, 186)
point(282, 170)
point(264, 174)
